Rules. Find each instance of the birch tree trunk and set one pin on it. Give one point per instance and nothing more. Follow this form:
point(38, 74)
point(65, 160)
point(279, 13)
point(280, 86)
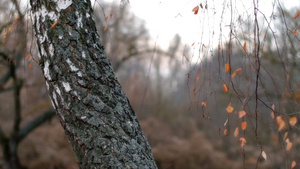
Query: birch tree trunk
point(93, 109)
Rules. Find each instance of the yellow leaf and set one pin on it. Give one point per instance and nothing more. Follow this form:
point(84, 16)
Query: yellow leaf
point(289, 145)
point(227, 67)
point(242, 113)
point(280, 123)
point(225, 88)
point(264, 155)
point(229, 109)
point(243, 141)
point(244, 125)
point(293, 164)
point(293, 121)
point(236, 132)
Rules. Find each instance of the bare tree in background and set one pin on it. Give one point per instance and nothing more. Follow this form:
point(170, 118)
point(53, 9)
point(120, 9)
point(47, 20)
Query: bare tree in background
point(12, 52)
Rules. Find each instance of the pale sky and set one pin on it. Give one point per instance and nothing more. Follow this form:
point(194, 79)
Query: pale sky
point(165, 18)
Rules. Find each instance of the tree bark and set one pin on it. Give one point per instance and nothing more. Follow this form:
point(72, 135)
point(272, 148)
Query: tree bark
point(93, 109)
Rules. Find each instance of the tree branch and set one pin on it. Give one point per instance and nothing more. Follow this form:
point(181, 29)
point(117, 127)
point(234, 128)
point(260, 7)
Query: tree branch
point(35, 123)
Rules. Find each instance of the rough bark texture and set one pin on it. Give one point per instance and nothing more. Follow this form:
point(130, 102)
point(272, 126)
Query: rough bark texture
point(93, 109)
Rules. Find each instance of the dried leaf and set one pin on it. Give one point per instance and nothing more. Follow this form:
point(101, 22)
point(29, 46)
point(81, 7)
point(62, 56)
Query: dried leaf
point(201, 5)
point(226, 122)
point(236, 132)
point(296, 32)
point(245, 46)
point(203, 103)
point(243, 141)
point(110, 15)
point(106, 18)
point(289, 145)
point(219, 47)
point(297, 15)
point(280, 123)
point(229, 109)
point(272, 115)
point(242, 113)
point(285, 135)
point(225, 88)
point(244, 125)
point(195, 10)
point(264, 155)
point(293, 121)
point(225, 132)
point(27, 57)
point(273, 107)
point(30, 65)
point(54, 24)
point(293, 164)
point(227, 67)
point(105, 28)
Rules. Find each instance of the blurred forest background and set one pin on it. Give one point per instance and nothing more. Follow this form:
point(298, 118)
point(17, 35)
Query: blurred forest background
point(180, 103)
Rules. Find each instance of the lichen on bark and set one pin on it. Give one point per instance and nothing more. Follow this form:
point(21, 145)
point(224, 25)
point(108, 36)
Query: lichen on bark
point(93, 109)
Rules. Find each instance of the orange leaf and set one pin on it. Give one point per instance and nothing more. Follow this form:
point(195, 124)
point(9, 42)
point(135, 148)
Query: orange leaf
point(297, 15)
point(54, 24)
point(195, 10)
point(293, 121)
point(105, 28)
point(244, 125)
point(272, 115)
point(225, 132)
point(293, 164)
point(236, 132)
point(242, 113)
point(245, 46)
point(229, 109)
point(203, 104)
point(111, 15)
point(225, 88)
point(238, 70)
point(227, 67)
point(289, 145)
point(27, 57)
point(280, 123)
point(30, 65)
point(296, 32)
point(243, 141)
point(219, 47)
point(106, 18)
